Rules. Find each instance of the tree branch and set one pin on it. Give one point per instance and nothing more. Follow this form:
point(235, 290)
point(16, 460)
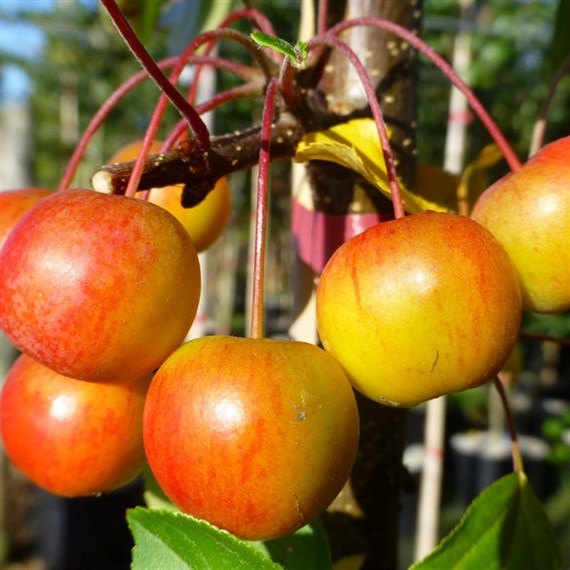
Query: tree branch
point(185, 164)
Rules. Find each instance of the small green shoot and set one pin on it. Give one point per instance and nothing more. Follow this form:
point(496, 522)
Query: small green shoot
point(297, 53)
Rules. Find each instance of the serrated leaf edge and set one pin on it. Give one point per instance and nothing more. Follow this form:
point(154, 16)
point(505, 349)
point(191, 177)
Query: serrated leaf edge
point(204, 526)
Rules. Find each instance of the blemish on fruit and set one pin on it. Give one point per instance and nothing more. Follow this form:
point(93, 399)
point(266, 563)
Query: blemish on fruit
point(435, 361)
point(298, 505)
point(301, 416)
point(383, 399)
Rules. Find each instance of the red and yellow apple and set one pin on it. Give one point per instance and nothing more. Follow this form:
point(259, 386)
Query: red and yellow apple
point(256, 436)
point(70, 437)
point(528, 211)
point(204, 222)
point(14, 204)
point(98, 287)
point(419, 307)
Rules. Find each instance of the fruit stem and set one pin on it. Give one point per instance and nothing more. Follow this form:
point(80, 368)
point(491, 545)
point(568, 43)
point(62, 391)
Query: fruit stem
point(287, 85)
point(244, 91)
point(543, 337)
point(540, 125)
point(139, 51)
point(160, 108)
point(322, 16)
point(336, 42)
point(258, 18)
point(518, 466)
point(416, 42)
point(257, 328)
point(99, 118)
point(255, 16)
point(247, 90)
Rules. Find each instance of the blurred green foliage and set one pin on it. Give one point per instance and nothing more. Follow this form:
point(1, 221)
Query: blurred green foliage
point(511, 71)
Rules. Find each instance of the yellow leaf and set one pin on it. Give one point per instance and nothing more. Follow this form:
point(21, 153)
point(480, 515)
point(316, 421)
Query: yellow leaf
point(356, 145)
point(435, 184)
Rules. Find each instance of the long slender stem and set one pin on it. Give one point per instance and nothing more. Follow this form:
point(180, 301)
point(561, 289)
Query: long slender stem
point(255, 16)
point(336, 42)
point(518, 466)
point(543, 337)
point(261, 213)
point(540, 126)
point(99, 118)
point(245, 91)
point(509, 154)
point(242, 71)
point(160, 108)
point(186, 110)
point(322, 16)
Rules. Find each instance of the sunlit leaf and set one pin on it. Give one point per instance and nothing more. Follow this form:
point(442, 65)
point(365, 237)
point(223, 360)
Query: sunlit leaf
point(297, 53)
point(505, 528)
point(165, 540)
point(356, 145)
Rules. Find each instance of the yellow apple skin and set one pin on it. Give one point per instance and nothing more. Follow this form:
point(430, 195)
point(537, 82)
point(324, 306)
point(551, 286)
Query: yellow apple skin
point(205, 222)
point(419, 307)
point(528, 211)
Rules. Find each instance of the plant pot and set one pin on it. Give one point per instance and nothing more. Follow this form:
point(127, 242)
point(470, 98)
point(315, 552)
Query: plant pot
point(480, 458)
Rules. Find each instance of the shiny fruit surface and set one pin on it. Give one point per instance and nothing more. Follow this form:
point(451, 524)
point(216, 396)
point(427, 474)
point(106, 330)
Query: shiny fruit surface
point(256, 436)
point(98, 287)
point(14, 204)
point(419, 307)
point(528, 211)
point(204, 222)
point(70, 437)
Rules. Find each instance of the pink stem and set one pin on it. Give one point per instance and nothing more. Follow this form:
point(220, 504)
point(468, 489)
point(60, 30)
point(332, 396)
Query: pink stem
point(163, 100)
point(240, 92)
point(322, 16)
point(257, 17)
point(261, 212)
point(509, 154)
point(99, 118)
point(336, 42)
point(139, 51)
point(254, 15)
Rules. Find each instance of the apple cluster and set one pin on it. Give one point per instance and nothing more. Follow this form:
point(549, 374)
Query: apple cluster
point(255, 435)
point(99, 291)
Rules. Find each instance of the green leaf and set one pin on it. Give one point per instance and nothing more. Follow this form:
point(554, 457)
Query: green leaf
point(296, 53)
point(504, 528)
point(166, 540)
point(306, 549)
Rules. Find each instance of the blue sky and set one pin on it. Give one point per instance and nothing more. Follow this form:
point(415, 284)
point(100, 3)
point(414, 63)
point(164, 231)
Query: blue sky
point(21, 39)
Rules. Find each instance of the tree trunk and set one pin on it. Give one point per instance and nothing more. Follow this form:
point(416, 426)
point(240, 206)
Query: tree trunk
point(363, 521)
